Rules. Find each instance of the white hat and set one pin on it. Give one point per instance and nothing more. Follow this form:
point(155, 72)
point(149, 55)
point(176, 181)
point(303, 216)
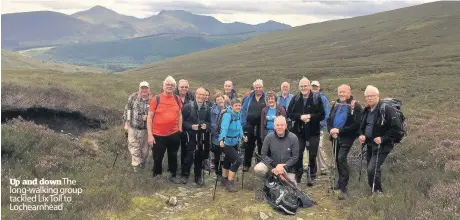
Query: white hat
point(315, 83)
point(144, 84)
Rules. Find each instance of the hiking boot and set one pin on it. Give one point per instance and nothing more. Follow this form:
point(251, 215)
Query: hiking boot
point(231, 186)
point(311, 182)
point(183, 179)
point(199, 181)
point(343, 195)
point(223, 181)
point(245, 169)
point(172, 178)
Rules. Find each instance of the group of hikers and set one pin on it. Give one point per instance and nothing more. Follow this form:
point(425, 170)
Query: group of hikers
point(225, 131)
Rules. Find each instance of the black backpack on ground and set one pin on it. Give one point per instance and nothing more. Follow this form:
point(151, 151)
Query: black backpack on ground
point(396, 105)
point(281, 197)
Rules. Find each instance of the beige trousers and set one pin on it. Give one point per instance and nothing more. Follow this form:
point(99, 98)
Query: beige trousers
point(138, 146)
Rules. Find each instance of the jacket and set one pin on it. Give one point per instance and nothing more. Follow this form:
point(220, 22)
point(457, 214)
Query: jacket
point(296, 109)
point(137, 109)
point(231, 130)
point(263, 121)
point(387, 131)
point(349, 132)
point(190, 115)
point(245, 107)
point(281, 150)
point(188, 97)
point(215, 111)
point(288, 99)
point(327, 110)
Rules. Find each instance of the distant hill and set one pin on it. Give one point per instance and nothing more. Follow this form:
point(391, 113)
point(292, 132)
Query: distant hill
point(15, 61)
point(401, 39)
point(129, 53)
point(23, 30)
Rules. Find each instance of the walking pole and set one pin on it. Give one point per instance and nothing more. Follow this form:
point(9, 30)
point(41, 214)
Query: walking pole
point(309, 180)
point(221, 159)
point(332, 167)
point(242, 173)
point(202, 162)
point(376, 163)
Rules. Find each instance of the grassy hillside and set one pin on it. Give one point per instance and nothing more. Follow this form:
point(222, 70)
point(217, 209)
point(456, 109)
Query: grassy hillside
point(402, 39)
point(123, 54)
point(421, 176)
point(12, 60)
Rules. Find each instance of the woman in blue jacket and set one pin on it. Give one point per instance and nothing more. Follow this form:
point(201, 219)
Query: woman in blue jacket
point(231, 132)
point(216, 109)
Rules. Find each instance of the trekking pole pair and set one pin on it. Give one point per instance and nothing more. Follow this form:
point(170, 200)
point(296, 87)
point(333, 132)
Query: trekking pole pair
point(221, 160)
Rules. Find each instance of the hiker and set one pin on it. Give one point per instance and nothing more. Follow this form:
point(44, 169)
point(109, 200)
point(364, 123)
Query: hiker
point(320, 161)
point(206, 98)
point(182, 91)
point(196, 121)
point(164, 126)
point(268, 115)
point(250, 120)
point(208, 154)
point(306, 111)
point(284, 97)
point(376, 131)
point(281, 150)
point(227, 100)
point(216, 109)
point(135, 118)
point(343, 125)
point(229, 90)
point(231, 132)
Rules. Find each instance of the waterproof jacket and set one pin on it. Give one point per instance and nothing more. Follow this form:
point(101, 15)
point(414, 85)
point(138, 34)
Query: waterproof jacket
point(263, 120)
point(231, 130)
point(390, 128)
point(215, 111)
point(247, 104)
point(297, 108)
point(281, 150)
point(350, 130)
point(192, 115)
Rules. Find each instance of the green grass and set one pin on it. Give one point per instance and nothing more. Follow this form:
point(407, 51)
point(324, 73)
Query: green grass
point(420, 176)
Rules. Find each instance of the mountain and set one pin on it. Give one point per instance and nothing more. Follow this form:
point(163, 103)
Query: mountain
point(15, 61)
point(46, 28)
point(129, 53)
point(383, 42)
point(99, 14)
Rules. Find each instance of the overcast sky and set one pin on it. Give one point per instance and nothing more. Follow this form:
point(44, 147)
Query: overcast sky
point(292, 12)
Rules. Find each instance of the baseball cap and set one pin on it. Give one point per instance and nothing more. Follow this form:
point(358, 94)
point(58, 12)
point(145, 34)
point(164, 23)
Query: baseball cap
point(315, 83)
point(144, 84)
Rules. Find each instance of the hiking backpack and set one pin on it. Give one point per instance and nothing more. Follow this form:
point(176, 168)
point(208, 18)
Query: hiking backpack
point(396, 105)
point(219, 119)
point(281, 197)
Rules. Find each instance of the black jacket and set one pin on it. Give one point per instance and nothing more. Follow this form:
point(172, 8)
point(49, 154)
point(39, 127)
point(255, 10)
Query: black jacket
point(350, 130)
point(281, 150)
point(189, 97)
point(387, 131)
point(297, 108)
point(191, 116)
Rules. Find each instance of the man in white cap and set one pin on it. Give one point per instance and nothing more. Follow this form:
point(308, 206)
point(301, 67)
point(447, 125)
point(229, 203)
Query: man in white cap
point(321, 162)
point(135, 119)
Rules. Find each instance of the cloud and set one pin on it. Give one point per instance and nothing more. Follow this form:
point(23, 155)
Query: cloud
point(293, 12)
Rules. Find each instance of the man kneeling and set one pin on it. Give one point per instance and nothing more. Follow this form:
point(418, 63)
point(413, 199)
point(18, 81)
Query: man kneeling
point(281, 150)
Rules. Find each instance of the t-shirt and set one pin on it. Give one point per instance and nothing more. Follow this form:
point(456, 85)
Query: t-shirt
point(271, 115)
point(166, 116)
